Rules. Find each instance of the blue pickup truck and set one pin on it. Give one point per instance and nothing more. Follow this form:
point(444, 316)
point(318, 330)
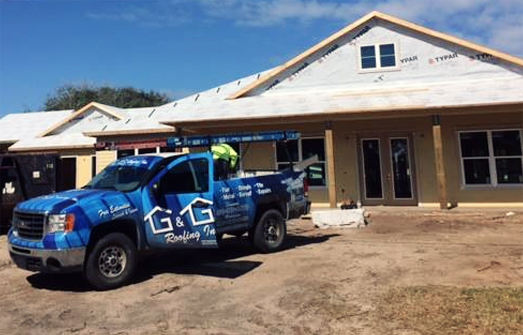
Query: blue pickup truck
point(151, 202)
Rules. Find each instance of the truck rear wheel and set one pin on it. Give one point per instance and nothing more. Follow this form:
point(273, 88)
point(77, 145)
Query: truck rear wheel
point(270, 232)
point(111, 262)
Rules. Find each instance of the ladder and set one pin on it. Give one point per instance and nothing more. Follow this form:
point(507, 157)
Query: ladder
point(208, 140)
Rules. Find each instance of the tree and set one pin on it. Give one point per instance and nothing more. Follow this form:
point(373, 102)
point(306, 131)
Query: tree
point(75, 97)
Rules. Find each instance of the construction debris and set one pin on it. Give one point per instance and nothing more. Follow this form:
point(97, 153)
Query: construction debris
point(347, 218)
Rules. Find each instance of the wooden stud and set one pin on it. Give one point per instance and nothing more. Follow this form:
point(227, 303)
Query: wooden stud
point(329, 143)
point(440, 164)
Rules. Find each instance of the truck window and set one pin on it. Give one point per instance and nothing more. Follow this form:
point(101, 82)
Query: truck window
point(117, 177)
point(187, 177)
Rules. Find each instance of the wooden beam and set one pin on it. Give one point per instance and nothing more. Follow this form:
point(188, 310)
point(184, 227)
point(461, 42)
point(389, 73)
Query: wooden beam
point(329, 143)
point(439, 162)
point(93, 104)
point(449, 38)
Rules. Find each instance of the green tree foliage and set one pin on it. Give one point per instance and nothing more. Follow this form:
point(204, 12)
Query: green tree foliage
point(77, 96)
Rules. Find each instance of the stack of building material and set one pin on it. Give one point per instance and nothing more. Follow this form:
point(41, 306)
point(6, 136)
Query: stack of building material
point(337, 218)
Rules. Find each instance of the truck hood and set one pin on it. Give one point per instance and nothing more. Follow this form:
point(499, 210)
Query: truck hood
point(56, 202)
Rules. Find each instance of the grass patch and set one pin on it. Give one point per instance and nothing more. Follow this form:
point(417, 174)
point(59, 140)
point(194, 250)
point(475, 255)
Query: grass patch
point(452, 310)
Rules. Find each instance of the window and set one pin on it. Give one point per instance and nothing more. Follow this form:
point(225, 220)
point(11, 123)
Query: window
point(186, 177)
point(379, 56)
point(123, 178)
point(143, 151)
point(125, 153)
point(491, 157)
point(170, 149)
point(302, 149)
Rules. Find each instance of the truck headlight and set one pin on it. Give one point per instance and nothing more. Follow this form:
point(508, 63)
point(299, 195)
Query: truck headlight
point(60, 223)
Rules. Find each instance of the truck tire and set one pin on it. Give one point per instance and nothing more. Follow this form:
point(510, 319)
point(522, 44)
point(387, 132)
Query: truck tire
point(111, 262)
point(270, 232)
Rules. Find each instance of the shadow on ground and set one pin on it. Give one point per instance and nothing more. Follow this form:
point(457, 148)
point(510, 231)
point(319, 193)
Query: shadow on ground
point(218, 263)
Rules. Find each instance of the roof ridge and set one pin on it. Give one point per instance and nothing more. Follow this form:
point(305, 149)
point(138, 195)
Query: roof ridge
point(350, 28)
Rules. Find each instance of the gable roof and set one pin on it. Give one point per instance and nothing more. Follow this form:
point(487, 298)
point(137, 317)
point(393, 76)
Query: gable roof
point(351, 28)
point(141, 120)
point(20, 126)
point(110, 110)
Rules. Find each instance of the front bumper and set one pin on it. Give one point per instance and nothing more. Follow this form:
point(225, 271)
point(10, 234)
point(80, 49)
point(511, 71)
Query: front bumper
point(51, 261)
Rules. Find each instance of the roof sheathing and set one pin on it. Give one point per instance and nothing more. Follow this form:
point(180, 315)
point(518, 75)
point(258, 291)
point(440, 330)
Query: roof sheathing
point(272, 108)
point(54, 142)
point(20, 126)
point(353, 31)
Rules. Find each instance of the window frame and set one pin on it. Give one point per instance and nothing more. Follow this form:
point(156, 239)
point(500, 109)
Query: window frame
point(377, 52)
point(194, 176)
point(493, 173)
point(300, 158)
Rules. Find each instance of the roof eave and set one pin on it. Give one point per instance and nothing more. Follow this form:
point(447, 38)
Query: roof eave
point(359, 113)
point(52, 148)
point(128, 132)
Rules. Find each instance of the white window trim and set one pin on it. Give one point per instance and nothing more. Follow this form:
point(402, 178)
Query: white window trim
point(491, 159)
point(300, 158)
point(378, 67)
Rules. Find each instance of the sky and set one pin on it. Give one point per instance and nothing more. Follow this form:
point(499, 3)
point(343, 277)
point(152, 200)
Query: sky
point(179, 47)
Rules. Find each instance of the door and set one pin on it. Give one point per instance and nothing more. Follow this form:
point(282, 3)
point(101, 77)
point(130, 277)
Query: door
point(178, 206)
point(66, 174)
point(387, 173)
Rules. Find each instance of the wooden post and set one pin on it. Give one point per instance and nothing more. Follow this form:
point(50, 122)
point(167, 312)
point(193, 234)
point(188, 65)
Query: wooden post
point(439, 162)
point(329, 143)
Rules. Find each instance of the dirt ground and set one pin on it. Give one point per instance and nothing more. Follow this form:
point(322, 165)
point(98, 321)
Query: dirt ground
point(326, 281)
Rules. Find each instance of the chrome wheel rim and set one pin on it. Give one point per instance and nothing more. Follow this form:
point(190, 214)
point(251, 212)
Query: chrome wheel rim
point(271, 231)
point(112, 261)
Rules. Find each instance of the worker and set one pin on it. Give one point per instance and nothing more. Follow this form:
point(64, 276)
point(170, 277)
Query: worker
point(225, 158)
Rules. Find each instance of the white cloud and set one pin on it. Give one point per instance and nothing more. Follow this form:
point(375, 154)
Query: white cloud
point(175, 94)
point(275, 12)
point(155, 14)
point(497, 24)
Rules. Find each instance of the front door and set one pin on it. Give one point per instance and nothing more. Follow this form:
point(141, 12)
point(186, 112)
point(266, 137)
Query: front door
point(178, 205)
point(387, 172)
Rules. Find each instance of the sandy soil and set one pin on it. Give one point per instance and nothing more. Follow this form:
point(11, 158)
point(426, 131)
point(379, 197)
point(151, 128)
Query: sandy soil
point(325, 281)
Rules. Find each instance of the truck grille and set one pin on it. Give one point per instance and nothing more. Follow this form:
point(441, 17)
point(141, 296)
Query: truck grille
point(29, 225)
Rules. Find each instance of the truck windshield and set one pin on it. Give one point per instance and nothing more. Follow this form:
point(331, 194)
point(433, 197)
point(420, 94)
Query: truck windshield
point(123, 175)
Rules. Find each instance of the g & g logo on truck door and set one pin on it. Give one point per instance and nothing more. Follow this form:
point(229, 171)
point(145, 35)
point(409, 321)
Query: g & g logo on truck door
point(198, 211)
point(199, 205)
point(165, 220)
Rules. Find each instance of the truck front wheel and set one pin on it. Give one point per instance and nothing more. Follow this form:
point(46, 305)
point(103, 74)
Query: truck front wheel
point(111, 262)
point(270, 232)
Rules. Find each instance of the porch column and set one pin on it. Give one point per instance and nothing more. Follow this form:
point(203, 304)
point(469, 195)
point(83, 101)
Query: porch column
point(329, 143)
point(439, 162)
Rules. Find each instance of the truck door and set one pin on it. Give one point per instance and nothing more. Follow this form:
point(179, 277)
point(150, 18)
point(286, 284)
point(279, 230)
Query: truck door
point(178, 204)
